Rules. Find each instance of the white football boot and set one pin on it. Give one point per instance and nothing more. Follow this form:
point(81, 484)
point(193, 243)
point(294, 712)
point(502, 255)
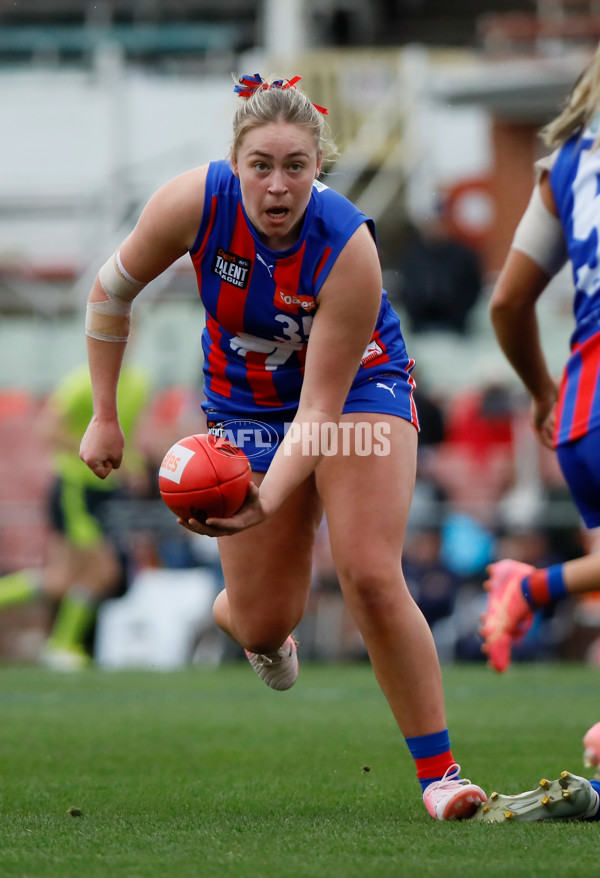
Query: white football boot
point(568, 798)
point(278, 669)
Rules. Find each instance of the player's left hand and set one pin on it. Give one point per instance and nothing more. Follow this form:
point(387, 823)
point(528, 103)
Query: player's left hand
point(251, 513)
point(543, 418)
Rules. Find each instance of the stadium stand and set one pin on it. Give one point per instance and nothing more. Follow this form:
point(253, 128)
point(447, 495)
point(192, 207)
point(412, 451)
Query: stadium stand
point(204, 36)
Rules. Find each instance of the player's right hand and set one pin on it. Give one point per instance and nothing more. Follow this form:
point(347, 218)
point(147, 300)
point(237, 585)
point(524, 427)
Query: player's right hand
point(251, 513)
point(102, 447)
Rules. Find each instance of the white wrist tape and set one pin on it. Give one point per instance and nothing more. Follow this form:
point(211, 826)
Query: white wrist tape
point(109, 320)
point(540, 236)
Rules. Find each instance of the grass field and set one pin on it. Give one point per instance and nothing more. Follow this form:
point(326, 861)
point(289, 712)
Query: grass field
point(209, 773)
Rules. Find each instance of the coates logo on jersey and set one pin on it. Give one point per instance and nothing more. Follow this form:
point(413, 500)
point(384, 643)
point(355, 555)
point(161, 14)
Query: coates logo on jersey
point(293, 303)
point(233, 269)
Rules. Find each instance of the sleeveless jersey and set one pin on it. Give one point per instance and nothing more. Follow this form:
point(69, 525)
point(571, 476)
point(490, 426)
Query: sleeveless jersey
point(260, 303)
point(574, 179)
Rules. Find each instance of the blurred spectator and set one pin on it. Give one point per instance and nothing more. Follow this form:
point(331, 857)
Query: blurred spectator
point(432, 419)
point(327, 630)
point(429, 495)
point(441, 279)
point(530, 545)
point(83, 565)
point(481, 421)
point(467, 545)
point(476, 463)
point(433, 585)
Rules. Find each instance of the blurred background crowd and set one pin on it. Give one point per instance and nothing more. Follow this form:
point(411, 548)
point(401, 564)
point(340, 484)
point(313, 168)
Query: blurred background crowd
point(435, 107)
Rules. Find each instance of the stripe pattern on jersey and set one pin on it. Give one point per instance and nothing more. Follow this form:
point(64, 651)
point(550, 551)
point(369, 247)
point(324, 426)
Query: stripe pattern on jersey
point(260, 303)
point(579, 398)
point(574, 179)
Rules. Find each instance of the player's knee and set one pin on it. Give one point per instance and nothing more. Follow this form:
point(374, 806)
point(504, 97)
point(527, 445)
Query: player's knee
point(374, 589)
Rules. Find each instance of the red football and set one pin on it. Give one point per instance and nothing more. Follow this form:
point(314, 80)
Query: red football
point(204, 476)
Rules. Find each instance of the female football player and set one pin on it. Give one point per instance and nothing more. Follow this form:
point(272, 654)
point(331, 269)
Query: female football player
point(562, 222)
point(302, 354)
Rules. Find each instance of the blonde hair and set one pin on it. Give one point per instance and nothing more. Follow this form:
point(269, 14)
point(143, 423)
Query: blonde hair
point(580, 107)
point(271, 103)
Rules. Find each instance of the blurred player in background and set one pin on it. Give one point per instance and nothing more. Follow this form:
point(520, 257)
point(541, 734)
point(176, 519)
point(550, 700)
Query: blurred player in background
point(83, 565)
point(278, 255)
point(562, 222)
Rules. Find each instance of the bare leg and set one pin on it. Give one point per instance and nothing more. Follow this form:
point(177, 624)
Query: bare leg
point(267, 573)
point(367, 504)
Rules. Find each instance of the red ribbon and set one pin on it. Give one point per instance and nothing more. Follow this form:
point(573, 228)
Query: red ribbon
point(249, 84)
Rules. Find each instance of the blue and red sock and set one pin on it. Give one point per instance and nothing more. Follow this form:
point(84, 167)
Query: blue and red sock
point(544, 587)
point(432, 755)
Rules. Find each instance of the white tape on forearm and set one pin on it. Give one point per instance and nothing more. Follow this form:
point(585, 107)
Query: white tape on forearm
point(109, 320)
point(105, 324)
point(540, 236)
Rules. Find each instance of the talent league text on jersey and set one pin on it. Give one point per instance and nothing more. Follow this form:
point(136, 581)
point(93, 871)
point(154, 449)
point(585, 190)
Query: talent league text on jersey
point(260, 303)
point(575, 182)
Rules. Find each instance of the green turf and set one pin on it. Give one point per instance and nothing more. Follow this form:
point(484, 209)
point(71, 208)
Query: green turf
point(209, 773)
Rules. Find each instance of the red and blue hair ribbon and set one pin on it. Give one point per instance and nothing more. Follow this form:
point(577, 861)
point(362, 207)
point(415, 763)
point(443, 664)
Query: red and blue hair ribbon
point(249, 84)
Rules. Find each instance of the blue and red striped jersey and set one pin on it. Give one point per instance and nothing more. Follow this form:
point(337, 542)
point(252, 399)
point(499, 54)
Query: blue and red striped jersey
point(575, 182)
point(260, 303)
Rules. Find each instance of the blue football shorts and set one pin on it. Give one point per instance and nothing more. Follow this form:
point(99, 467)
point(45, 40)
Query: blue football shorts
point(580, 463)
point(259, 435)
